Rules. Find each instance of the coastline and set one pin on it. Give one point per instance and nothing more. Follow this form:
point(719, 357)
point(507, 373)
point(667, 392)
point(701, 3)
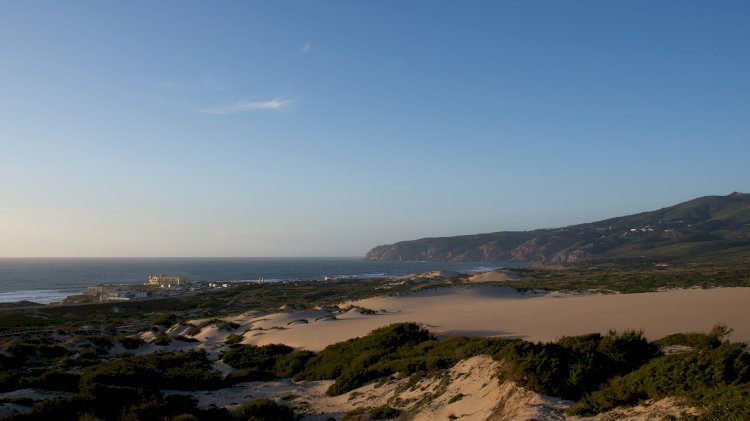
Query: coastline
point(46, 281)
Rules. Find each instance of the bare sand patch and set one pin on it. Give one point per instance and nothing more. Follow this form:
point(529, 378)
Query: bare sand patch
point(503, 312)
point(470, 390)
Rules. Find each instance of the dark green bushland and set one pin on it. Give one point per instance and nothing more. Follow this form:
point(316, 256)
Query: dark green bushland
point(23, 354)
point(575, 365)
point(384, 412)
point(568, 368)
point(265, 362)
point(353, 362)
point(187, 371)
point(166, 320)
point(256, 357)
point(249, 375)
point(129, 342)
point(121, 404)
point(51, 380)
point(263, 410)
point(715, 377)
point(697, 340)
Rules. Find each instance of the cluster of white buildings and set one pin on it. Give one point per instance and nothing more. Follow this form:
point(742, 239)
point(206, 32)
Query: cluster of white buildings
point(167, 281)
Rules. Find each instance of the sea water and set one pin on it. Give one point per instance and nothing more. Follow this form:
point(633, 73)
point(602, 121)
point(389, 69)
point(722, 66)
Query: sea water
point(46, 280)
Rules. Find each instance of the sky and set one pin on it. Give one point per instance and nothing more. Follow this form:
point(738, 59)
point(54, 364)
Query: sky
point(301, 128)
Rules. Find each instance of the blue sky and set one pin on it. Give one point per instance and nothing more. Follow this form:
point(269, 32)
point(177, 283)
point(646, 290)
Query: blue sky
point(326, 128)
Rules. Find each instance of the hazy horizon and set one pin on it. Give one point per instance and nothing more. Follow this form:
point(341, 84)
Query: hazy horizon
point(289, 129)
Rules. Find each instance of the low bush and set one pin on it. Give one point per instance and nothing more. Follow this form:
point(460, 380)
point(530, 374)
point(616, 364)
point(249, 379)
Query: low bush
point(185, 371)
point(456, 398)
point(51, 380)
point(233, 339)
point(185, 339)
point(256, 357)
point(404, 348)
point(574, 366)
point(707, 376)
point(162, 339)
point(697, 340)
point(165, 320)
point(129, 342)
point(263, 410)
point(248, 375)
point(384, 412)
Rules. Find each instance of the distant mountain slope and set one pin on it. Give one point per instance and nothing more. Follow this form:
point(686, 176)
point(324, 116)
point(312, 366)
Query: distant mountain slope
point(704, 229)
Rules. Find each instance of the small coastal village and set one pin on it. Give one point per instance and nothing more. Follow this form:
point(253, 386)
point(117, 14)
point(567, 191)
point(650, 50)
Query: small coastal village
point(163, 285)
point(160, 285)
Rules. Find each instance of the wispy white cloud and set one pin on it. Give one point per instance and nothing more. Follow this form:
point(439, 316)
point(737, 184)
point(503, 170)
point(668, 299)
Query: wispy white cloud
point(305, 48)
point(276, 104)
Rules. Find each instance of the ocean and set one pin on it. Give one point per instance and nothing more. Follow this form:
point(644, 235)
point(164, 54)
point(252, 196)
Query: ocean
point(46, 280)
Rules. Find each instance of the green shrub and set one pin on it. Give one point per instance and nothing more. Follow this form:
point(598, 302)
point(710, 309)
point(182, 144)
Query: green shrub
point(9, 380)
point(248, 375)
point(225, 325)
point(263, 410)
point(36, 353)
point(101, 341)
point(51, 380)
point(384, 412)
point(185, 371)
point(574, 366)
point(280, 360)
point(194, 330)
point(130, 342)
point(165, 320)
point(727, 403)
point(162, 339)
point(355, 361)
point(256, 357)
point(90, 417)
point(705, 376)
point(288, 365)
point(456, 398)
point(355, 414)
point(122, 403)
point(697, 340)
point(185, 339)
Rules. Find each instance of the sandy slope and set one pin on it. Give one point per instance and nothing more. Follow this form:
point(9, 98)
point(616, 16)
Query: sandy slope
point(470, 390)
point(483, 396)
point(501, 311)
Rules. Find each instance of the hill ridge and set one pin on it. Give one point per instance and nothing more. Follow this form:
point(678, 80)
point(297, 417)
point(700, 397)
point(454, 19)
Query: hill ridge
point(707, 228)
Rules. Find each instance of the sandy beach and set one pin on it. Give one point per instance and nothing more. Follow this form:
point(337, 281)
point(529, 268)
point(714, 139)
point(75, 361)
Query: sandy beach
point(503, 312)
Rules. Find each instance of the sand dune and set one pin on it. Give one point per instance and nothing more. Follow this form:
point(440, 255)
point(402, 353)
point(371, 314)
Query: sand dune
point(479, 310)
point(501, 311)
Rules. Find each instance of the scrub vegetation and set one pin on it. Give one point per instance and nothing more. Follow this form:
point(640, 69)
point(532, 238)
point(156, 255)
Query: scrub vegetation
point(83, 351)
point(598, 371)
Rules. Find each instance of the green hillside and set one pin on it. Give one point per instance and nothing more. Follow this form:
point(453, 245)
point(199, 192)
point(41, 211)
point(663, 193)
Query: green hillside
point(706, 229)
